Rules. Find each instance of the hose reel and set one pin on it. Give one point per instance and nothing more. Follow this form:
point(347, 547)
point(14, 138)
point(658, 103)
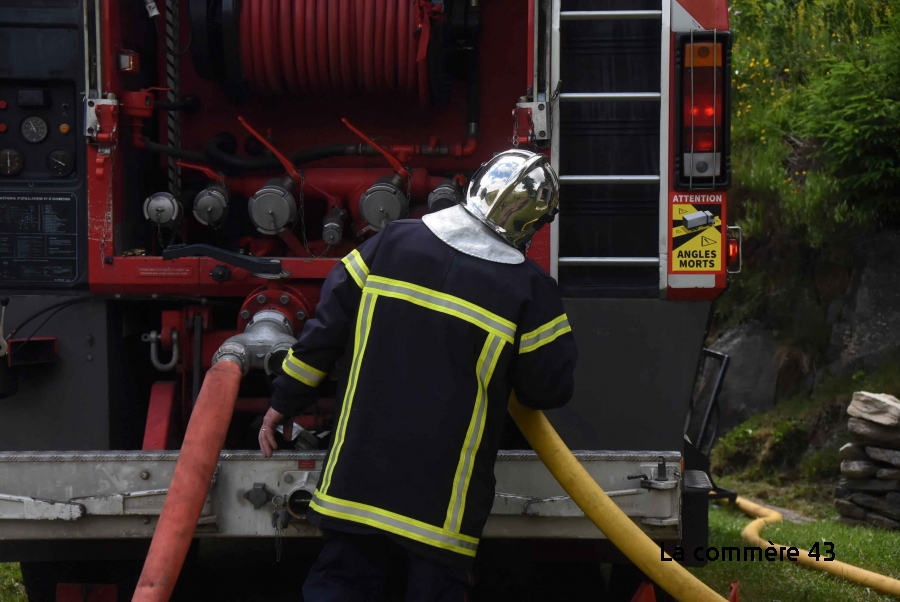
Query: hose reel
point(331, 47)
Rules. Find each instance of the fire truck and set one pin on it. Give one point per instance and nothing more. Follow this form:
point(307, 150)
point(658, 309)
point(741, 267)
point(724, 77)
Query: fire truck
point(178, 174)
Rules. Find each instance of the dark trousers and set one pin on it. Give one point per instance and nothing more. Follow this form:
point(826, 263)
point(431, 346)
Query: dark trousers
point(355, 568)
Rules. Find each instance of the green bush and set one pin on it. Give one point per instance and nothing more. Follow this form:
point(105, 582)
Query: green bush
point(816, 115)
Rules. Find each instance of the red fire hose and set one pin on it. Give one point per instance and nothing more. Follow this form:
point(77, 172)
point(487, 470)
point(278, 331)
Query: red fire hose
point(190, 483)
point(322, 46)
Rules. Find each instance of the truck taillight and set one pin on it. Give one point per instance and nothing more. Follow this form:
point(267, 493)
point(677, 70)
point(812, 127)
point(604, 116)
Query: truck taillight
point(703, 115)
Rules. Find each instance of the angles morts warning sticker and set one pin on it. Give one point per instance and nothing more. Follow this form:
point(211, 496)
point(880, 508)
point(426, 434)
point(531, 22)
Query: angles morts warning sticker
point(696, 233)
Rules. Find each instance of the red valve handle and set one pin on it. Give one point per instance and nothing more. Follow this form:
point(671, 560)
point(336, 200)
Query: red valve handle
point(288, 166)
point(395, 163)
point(206, 171)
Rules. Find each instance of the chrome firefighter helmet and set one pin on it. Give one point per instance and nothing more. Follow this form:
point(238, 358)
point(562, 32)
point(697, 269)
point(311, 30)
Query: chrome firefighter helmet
point(514, 194)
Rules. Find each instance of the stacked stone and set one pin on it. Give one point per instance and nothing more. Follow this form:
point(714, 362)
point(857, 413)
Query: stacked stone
point(869, 490)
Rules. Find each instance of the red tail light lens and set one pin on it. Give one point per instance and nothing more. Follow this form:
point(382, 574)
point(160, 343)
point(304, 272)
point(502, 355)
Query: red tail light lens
point(734, 251)
point(702, 89)
point(702, 115)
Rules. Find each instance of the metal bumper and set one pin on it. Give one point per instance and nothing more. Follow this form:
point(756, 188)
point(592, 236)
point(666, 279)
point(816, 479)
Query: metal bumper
point(119, 494)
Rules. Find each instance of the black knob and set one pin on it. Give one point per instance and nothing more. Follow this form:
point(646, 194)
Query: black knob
point(220, 273)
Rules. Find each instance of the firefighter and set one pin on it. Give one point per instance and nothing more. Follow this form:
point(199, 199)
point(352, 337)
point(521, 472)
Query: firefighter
point(438, 321)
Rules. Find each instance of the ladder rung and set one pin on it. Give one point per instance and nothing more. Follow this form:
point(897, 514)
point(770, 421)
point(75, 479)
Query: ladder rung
point(603, 15)
point(610, 261)
point(600, 96)
point(608, 179)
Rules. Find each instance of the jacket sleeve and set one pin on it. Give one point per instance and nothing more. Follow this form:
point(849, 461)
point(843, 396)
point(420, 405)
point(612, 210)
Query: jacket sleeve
point(544, 365)
point(324, 337)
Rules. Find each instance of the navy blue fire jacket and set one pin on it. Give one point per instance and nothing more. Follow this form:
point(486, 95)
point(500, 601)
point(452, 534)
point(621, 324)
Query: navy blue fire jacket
point(433, 341)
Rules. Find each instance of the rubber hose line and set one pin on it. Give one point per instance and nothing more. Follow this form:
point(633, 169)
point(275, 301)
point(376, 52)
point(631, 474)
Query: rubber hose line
point(259, 35)
point(271, 55)
point(334, 45)
point(390, 48)
point(310, 28)
point(286, 24)
point(380, 13)
point(247, 45)
point(310, 47)
point(299, 42)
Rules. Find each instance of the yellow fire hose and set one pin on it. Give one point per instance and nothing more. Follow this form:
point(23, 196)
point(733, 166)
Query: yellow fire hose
point(604, 513)
point(639, 548)
point(766, 516)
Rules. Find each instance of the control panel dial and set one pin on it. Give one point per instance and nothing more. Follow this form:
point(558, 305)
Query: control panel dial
point(60, 163)
point(11, 162)
point(34, 129)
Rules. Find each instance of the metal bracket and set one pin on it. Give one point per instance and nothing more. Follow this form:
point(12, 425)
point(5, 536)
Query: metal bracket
point(539, 113)
point(134, 503)
point(17, 507)
point(93, 107)
point(660, 522)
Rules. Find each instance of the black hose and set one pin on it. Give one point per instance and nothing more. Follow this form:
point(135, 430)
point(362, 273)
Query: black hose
point(61, 304)
point(41, 325)
point(74, 300)
point(170, 151)
point(216, 155)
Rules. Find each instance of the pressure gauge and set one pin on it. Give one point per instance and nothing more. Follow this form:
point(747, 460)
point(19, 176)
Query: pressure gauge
point(10, 162)
point(60, 163)
point(34, 129)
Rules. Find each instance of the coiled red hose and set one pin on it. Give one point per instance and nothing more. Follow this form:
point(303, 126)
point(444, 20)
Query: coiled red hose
point(303, 47)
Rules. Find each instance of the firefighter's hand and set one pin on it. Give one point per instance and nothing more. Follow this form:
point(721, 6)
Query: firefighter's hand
point(267, 433)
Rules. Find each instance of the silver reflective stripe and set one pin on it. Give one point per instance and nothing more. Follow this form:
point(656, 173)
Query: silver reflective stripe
point(473, 441)
point(357, 267)
point(444, 303)
point(395, 525)
point(530, 341)
point(302, 371)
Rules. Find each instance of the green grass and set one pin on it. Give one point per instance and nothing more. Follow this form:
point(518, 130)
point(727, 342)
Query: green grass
point(871, 549)
point(11, 589)
point(811, 499)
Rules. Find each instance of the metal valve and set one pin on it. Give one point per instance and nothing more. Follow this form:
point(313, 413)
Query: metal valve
point(211, 206)
point(333, 226)
point(446, 195)
point(273, 208)
point(384, 202)
point(163, 209)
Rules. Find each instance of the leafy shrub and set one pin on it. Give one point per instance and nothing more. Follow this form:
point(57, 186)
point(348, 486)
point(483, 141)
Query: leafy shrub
point(816, 115)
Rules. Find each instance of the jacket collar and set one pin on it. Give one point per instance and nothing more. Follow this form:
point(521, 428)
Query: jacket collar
point(462, 231)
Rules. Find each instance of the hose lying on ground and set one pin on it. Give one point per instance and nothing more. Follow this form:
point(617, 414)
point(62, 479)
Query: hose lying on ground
point(766, 516)
point(604, 513)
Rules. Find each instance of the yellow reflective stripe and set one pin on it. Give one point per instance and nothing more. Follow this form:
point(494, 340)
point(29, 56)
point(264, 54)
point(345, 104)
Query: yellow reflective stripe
point(547, 333)
point(363, 326)
point(302, 371)
point(490, 353)
point(356, 267)
point(444, 303)
point(394, 523)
